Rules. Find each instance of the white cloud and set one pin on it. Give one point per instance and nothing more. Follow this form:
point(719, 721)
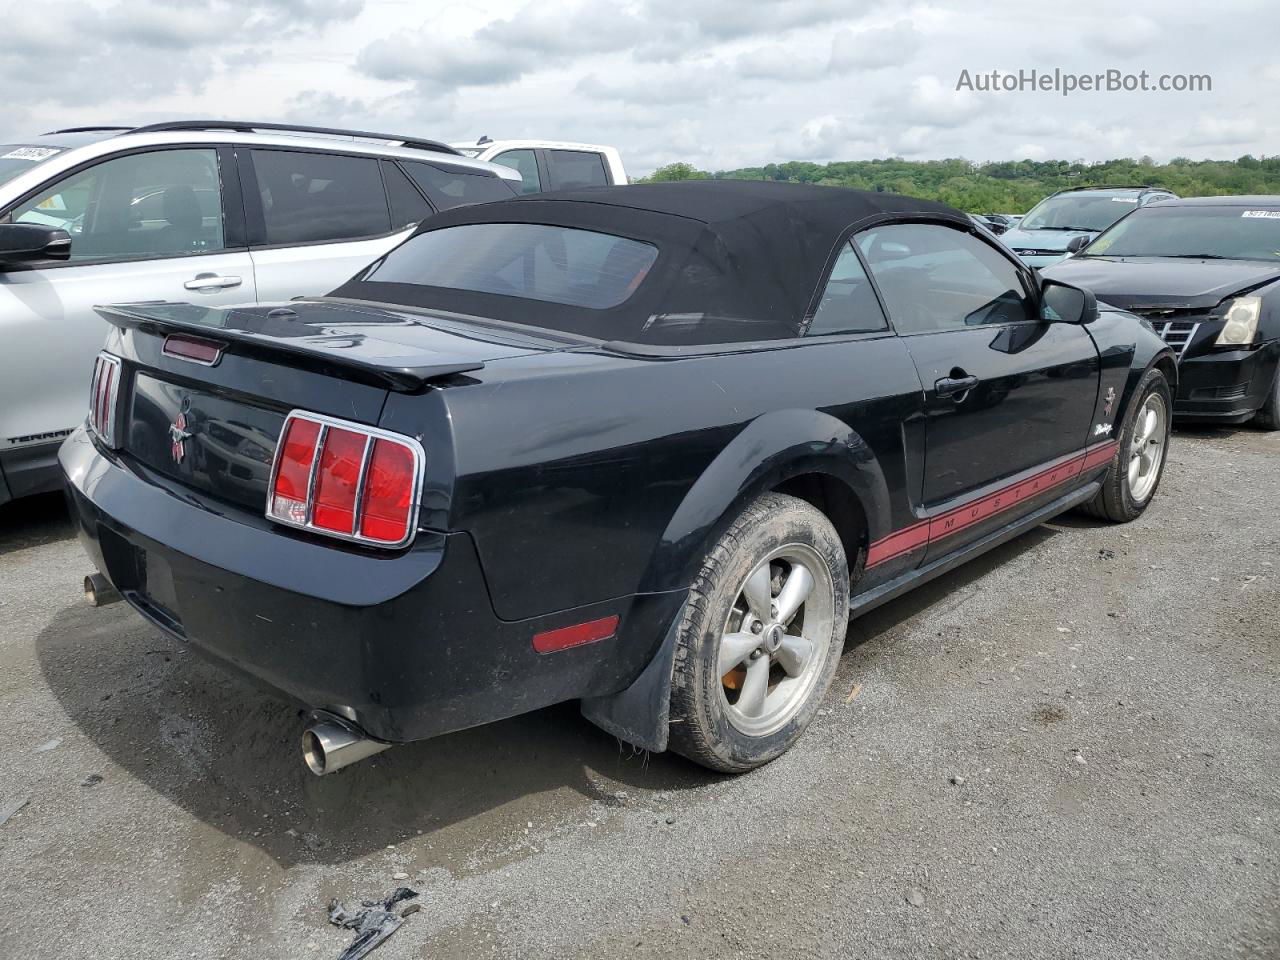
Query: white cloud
point(875, 48)
point(935, 104)
point(1125, 36)
point(1216, 130)
point(720, 83)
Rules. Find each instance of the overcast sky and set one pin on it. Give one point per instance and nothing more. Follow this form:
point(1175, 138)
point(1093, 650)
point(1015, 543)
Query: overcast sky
point(719, 83)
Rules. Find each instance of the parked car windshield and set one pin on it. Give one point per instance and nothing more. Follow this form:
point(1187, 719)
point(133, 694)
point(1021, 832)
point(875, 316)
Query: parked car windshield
point(17, 158)
point(1234, 233)
point(1077, 211)
point(580, 268)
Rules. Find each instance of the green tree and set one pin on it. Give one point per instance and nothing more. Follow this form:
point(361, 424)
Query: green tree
point(1006, 186)
point(675, 171)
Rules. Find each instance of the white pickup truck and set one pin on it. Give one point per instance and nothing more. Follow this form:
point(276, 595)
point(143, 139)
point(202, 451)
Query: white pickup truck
point(550, 164)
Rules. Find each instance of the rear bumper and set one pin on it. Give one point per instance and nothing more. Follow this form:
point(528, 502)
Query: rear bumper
point(405, 645)
point(1227, 386)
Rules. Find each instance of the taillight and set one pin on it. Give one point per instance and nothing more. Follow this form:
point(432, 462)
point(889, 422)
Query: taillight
point(346, 480)
point(103, 392)
point(388, 486)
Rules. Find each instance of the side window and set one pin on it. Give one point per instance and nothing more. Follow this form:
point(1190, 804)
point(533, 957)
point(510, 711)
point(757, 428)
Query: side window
point(448, 188)
point(848, 303)
point(167, 203)
point(309, 197)
point(576, 168)
point(526, 164)
point(407, 205)
point(934, 277)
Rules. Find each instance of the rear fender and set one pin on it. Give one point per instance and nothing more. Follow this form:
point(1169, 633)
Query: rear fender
point(771, 450)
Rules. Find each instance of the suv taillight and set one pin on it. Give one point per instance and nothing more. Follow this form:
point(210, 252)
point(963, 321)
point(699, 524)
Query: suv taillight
point(346, 480)
point(102, 398)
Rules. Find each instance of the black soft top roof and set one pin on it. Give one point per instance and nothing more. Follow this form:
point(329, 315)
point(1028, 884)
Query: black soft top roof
point(722, 201)
point(739, 259)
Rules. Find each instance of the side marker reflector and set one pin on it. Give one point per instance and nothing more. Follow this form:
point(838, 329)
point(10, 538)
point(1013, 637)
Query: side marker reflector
point(551, 641)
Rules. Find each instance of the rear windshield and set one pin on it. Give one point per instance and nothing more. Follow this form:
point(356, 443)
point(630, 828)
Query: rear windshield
point(16, 158)
point(1237, 233)
point(1078, 211)
point(579, 268)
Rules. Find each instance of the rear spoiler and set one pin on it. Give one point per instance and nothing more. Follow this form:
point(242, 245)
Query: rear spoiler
point(309, 353)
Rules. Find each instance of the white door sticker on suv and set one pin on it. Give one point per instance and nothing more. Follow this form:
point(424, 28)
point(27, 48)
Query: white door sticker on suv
point(1259, 214)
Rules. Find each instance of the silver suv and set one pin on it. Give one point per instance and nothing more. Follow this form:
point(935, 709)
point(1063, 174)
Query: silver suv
point(210, 212)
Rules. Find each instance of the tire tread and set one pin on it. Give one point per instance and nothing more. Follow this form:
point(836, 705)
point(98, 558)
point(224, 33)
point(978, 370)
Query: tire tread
point(688, 717)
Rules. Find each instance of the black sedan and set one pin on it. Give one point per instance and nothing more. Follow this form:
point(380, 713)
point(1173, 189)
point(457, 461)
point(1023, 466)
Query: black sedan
point(645, 447)
point(1206, 273)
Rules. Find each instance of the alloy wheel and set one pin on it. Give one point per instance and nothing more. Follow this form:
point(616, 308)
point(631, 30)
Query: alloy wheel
point(775, 640)
point(1146, 447)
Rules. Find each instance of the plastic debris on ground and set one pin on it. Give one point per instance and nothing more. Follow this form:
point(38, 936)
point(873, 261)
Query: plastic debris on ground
point(10, 810)
point(373, 922)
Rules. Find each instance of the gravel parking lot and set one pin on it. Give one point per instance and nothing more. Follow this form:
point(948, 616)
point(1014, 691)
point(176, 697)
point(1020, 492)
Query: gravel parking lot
point(1070, 748)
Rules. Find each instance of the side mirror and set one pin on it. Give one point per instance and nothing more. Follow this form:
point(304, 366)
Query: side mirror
point(1063, 303)
point(32, 242)
point(1076, 244)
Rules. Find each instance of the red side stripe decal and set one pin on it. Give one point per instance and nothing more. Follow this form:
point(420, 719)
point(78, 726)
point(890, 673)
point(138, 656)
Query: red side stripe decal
point(917, 535)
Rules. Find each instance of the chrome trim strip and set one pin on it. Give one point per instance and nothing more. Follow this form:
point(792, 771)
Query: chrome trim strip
point(316, 453)
point(358, 513)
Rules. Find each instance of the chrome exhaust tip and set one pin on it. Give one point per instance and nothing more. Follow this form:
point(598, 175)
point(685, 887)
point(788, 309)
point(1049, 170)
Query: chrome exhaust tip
point(99, 592)
point(329, 745)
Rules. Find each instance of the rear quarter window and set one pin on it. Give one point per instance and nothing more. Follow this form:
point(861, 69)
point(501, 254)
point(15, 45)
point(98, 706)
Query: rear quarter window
point(453, 188)
point(576, 168)
point(313, 197)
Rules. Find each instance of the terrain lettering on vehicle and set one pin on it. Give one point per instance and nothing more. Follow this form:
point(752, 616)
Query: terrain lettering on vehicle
point(1262, 214)
point(36, 438)
point(936, 528)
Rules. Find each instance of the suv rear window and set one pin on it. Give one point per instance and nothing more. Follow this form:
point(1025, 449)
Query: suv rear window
point(579, 268)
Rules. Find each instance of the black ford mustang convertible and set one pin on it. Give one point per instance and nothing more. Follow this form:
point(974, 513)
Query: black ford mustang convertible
point(645, 447)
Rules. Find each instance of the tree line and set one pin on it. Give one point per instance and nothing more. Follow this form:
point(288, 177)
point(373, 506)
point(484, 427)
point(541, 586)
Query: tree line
point(1006, 186)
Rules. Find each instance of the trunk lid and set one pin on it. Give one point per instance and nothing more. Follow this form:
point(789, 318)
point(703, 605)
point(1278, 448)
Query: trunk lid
point(214, 427)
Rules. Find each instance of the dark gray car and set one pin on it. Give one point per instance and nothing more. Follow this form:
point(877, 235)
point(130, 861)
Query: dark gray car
point(1205, 272)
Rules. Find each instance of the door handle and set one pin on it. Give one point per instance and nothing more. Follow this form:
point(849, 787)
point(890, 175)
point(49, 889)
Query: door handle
point(955, 386)
point(211, 281)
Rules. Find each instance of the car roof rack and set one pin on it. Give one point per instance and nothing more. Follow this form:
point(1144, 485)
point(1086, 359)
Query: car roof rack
point(52, 133)
point(246, 126)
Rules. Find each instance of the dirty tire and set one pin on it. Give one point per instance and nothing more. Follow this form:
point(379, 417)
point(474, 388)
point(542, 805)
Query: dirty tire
point(1268, 415)
point(701, 724)
point(1115, 501)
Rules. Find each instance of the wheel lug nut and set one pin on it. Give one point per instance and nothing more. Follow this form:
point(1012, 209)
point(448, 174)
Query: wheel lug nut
point(757, 627)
